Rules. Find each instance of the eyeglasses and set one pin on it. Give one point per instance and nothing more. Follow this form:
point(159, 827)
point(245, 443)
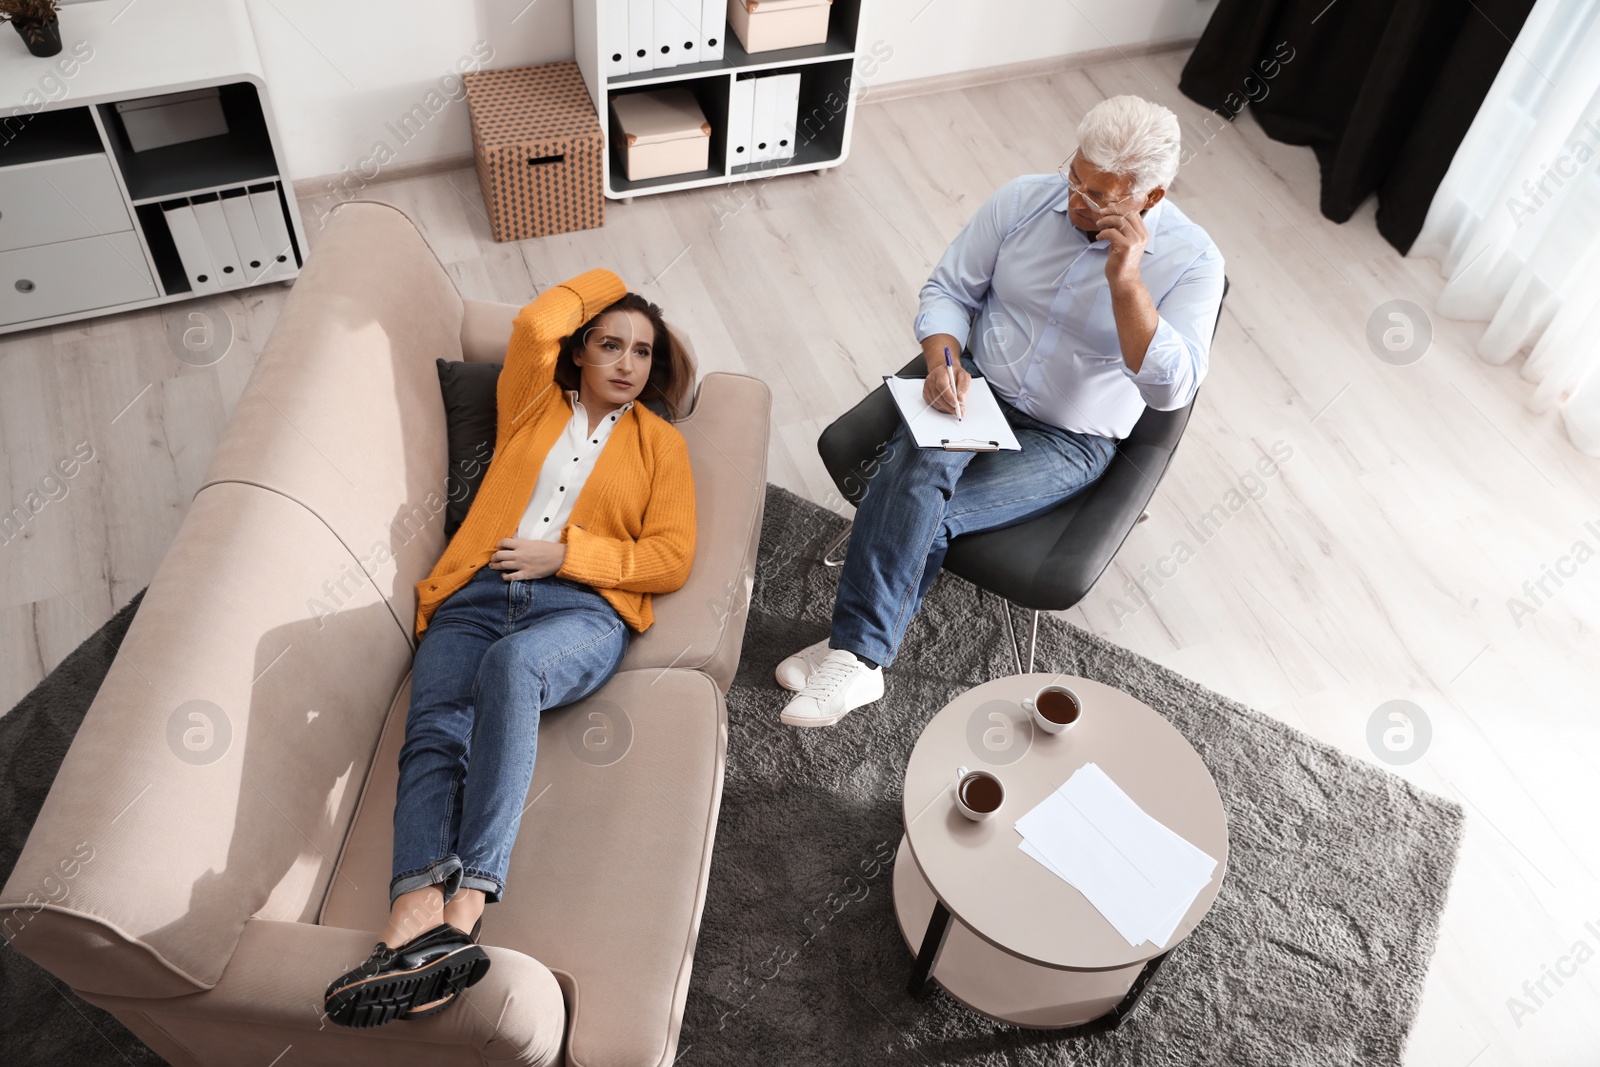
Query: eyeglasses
point(1074, 187)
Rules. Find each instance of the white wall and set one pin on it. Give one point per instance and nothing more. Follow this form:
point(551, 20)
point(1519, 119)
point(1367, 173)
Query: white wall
point(931, 37)
point(343, 75)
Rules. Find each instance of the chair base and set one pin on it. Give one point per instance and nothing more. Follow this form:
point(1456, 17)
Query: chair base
point(1011, 634)
point(833, 555)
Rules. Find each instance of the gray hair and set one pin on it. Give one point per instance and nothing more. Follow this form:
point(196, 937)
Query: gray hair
point(1131, 136)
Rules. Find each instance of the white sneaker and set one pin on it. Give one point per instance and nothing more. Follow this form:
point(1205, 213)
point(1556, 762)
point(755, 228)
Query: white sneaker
point(840, 684)
point(793, 671)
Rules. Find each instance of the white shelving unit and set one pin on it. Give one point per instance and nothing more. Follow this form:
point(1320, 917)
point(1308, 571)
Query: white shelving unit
point(827, 97)
point(81, 227)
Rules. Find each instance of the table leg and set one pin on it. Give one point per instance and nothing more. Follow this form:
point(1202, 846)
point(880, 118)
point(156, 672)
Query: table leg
point(921, 983)
point(1125, 1007)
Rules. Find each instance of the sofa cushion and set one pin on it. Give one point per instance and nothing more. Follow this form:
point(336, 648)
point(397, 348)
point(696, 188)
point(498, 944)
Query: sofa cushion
point(216, 773)
point(342, 411)
point(608, 874)
point(470, 420)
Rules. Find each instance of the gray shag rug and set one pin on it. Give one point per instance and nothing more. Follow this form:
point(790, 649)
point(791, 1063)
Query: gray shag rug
point(1314, 953)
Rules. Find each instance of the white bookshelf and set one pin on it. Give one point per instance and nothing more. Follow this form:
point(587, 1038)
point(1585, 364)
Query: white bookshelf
point(827, 97)
point(81, 228)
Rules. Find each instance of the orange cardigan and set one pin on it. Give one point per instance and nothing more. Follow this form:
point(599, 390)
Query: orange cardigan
point(632, 528)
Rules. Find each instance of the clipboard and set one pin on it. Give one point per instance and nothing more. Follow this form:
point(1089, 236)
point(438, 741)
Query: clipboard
point(982, 429)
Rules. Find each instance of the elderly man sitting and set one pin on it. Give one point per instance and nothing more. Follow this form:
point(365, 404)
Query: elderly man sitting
point(1081, 296)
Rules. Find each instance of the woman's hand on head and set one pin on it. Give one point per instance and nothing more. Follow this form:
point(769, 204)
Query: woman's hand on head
point(520, 557)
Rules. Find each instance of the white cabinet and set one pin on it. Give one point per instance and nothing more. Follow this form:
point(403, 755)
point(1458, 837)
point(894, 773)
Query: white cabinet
point(82, 226)
point(708, 62)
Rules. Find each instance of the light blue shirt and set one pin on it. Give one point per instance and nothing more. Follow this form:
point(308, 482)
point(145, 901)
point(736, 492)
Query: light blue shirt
point(1025, 291)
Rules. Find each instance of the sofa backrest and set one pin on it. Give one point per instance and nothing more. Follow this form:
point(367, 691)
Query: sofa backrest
point(215, 775)
point(343, 412)
point(217, 770)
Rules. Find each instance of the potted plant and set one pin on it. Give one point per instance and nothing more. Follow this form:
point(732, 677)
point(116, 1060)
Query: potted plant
point(36, 21)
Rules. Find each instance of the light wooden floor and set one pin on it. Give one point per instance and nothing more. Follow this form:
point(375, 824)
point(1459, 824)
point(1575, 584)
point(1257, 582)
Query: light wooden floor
point(1376, 565)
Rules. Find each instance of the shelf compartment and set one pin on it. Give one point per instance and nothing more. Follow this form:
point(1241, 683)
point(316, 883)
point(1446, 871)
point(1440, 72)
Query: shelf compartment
point(841, 43)
point(40, 136)
point(820, 123)
point(243, 154)
point(711, 94)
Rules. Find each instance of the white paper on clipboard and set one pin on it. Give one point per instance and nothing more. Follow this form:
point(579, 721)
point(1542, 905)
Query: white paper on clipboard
point(982, 427)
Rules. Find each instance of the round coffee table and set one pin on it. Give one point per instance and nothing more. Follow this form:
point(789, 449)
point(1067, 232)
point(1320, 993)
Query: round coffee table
point(988, 923)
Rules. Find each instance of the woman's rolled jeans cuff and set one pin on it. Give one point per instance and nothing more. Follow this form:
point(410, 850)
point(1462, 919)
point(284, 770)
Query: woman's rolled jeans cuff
point(449, 873)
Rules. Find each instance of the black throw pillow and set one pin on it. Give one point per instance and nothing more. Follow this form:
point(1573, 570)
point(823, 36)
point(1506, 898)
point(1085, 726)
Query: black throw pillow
point(470, 418)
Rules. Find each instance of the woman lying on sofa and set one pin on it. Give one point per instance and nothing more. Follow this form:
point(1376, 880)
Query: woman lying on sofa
point(597, 490)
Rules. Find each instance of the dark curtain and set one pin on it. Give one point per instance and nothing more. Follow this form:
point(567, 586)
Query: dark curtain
point(1382, 90)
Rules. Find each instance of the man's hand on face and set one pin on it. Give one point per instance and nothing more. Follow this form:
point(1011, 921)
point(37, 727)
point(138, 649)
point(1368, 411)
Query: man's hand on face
point(1128, 238)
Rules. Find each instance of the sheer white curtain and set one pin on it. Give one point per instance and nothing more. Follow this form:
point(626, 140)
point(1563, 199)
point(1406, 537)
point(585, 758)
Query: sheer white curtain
point(1516, 221)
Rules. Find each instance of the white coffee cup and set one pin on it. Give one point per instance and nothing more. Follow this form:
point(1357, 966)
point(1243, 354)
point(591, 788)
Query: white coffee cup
point(979, 794)
point(1065, 715)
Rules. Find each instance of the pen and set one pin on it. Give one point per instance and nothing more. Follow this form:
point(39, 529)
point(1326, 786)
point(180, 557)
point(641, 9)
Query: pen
point(950, 368)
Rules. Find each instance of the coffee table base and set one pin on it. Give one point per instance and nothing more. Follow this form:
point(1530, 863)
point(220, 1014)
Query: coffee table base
point(997, 984)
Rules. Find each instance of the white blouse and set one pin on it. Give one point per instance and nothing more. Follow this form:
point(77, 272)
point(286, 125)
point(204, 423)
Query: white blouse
point(566, 468)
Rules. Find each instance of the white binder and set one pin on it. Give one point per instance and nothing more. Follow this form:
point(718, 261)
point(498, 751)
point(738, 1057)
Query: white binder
point(641, 35)
point(669, 30)
point(613, 32)
point(764, 125)
point(713, 28)
point(741, 115)
point(274, 230)
point(191, 247)
point(241, 218)
point(690, 48)
point(219, 242)
point(785, 111)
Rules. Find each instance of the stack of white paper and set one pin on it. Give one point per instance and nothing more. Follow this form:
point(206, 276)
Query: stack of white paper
point(1136, 872)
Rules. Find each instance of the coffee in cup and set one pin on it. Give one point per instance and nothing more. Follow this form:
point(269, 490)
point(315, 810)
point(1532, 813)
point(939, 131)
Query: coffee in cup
point(1054, 708)
point(979, 794)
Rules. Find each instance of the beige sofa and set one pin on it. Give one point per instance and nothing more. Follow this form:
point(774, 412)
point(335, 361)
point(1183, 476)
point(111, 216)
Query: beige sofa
point(216, 846)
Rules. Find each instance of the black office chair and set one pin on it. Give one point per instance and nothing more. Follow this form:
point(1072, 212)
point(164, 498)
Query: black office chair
point(1045, 564)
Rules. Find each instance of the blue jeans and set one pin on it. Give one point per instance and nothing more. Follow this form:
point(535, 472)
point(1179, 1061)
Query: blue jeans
point(495, 654)
point(920, 498)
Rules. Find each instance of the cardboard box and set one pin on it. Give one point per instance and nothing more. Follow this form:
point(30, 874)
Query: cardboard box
point(157, 121)
point(661, 132)
point(538, 149)
point(763, 25)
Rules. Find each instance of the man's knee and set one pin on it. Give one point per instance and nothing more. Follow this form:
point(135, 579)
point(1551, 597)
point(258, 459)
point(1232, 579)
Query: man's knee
point(904, 465)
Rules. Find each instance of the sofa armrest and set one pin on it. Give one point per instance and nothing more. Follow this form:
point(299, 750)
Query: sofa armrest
point(701, 626)
point(274, 984)
point(486, 330)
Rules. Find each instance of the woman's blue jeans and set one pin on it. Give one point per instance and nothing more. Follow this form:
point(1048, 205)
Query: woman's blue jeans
point(494, 656)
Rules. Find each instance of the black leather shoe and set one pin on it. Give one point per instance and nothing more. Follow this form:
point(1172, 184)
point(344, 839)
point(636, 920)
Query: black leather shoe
point(436, 962)
point(425, 1008)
